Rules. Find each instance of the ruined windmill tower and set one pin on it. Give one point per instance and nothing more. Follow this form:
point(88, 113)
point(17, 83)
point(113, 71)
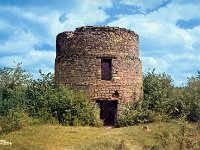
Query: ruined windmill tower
point(104, 62)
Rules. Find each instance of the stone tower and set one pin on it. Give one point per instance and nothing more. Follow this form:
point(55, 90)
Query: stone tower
point(102, 61)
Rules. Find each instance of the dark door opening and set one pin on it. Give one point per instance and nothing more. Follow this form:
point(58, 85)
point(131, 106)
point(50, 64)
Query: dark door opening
point(108, 111)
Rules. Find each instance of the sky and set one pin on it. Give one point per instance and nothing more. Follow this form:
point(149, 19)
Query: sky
point(169, 31)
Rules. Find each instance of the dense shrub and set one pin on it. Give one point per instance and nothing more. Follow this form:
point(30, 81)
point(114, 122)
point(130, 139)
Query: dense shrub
point(23, 99)
point(192, 98)
point(13, 83)
point(14, 120)
point(160, 95)
point(158, 91)
point(134, 114)
point(46, 99)
point(163, 101)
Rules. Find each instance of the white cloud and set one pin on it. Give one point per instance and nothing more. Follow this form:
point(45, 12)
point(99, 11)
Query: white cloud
point(173, 12)
point(86, 12)
point(94, 3)
point(19, 42)
point(150, 31)
point(164, 45)
point(144, 4)
point(32, 61)
point(178, 66)
point(44, 26)
point(151, 62)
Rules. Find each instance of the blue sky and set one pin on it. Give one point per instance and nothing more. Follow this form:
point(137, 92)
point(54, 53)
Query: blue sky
point(169, 31)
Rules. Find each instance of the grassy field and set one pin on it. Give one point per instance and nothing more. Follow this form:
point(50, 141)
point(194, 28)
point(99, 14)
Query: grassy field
point(167, 136)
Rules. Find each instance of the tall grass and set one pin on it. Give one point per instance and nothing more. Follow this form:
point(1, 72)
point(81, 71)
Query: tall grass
point(162, 136)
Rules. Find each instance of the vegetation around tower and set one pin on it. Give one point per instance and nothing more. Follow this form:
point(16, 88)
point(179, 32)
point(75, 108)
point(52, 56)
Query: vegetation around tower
point(22, 97)
point(27, 102)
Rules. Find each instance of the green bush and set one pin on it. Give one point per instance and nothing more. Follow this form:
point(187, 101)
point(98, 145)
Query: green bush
point(13, 83)
point(77, 110)
point(14, 120)
point(158, 91)
point(192, 98)
point(163, 98)
point(49, 101)
point(132, 115)
point(23, 98)
point(44, 100)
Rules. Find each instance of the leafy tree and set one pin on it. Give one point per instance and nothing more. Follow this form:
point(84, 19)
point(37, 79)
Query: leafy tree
point(192, 98)
point(14, 77)
point(13, 82)
point(160, 95)
point(177, 106)
point(158, 91)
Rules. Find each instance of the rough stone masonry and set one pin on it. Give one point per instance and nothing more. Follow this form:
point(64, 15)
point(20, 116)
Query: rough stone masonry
point(102, 61)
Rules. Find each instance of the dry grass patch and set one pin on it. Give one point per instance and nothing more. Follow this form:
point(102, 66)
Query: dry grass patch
point(50, 137)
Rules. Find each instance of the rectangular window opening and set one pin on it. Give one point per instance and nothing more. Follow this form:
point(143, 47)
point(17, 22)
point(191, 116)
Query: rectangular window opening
point(106, 69)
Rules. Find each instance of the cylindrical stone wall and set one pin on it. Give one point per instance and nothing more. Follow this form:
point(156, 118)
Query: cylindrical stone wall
point(79, 56)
